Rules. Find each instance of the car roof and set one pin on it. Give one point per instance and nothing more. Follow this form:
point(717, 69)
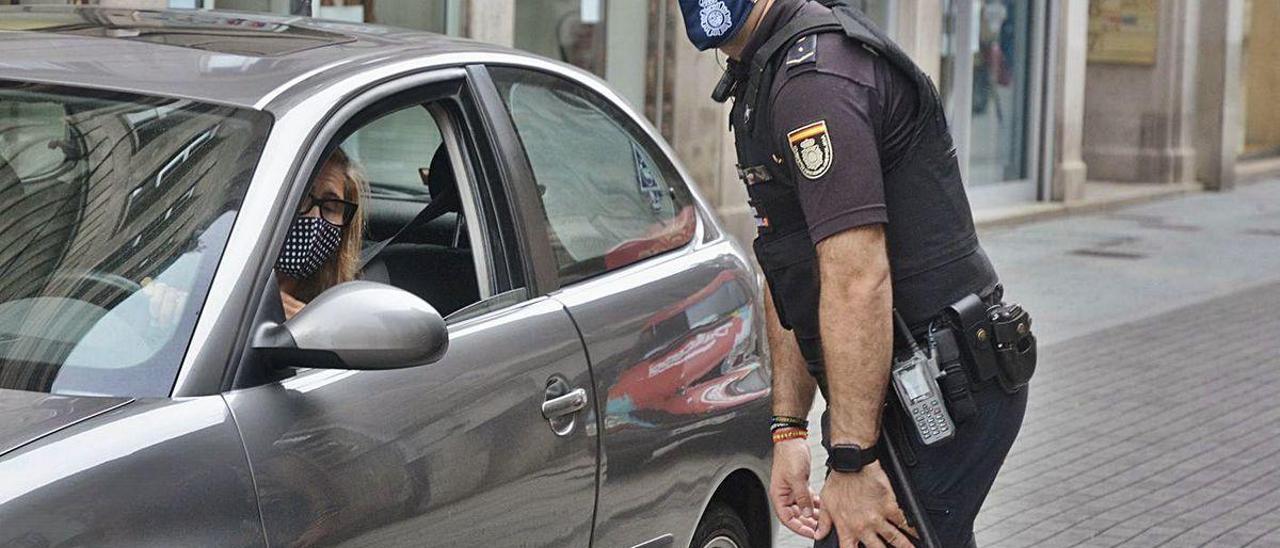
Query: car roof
point(240, 59)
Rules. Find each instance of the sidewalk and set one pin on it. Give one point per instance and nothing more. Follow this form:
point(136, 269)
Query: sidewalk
point(1152, 418)
point(1160, 431)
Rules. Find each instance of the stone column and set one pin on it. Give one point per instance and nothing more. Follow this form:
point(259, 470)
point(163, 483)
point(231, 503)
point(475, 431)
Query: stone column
point(1139, 118)
point(1069, 44)
point(917, 28)
point(699, 132)
point(1220, 99)
point(490, 21)
point(1175, 149)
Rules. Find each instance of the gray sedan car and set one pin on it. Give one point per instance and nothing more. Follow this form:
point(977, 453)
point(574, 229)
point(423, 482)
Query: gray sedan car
point(552, 343)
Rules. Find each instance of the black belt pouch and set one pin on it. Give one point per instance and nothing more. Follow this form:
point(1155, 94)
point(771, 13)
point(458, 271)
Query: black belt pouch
point(997, 339)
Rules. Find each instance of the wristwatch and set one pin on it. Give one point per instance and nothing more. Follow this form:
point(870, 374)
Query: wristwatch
point(850, 457)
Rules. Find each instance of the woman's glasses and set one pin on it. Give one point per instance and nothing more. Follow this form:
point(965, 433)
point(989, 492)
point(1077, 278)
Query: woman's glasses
point(332, 210)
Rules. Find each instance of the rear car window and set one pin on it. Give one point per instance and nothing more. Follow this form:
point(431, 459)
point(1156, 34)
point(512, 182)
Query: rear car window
point(610, 196)
point(116, 209)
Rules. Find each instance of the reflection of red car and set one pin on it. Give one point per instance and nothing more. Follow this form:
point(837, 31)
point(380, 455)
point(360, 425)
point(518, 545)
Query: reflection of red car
point(701, 367)
point(659, 238)
point(734, 387)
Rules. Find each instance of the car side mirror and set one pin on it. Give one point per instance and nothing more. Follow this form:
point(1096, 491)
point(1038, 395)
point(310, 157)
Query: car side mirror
point(358, 325)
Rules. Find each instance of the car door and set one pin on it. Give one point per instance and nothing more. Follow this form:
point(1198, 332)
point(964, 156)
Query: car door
point(454, 453)
point(670, 324)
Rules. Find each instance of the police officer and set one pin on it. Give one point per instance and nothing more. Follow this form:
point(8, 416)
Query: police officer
point(860, 210)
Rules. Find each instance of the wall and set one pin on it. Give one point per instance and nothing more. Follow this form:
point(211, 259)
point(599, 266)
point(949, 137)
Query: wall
point(243, 5)
point(1262, 78)
point(699, 131)
point(422, 14)
point(626, 50)
point(1137, 119)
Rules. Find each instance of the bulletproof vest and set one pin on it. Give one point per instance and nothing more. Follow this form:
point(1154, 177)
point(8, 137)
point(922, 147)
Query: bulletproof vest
point(783, 247)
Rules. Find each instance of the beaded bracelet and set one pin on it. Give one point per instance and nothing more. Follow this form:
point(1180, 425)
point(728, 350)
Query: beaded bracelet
point(782, 421)
point(791, 433)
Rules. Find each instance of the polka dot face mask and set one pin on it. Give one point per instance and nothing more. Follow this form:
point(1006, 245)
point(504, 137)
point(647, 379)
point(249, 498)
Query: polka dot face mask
point(311, 241)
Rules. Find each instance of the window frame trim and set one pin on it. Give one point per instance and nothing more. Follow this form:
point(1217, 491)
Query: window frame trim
point(518, 184)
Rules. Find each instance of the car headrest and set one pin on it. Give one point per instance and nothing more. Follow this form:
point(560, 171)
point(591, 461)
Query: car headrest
point(441, 183)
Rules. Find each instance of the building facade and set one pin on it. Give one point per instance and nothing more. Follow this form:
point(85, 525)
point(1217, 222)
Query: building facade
point(1042, 95)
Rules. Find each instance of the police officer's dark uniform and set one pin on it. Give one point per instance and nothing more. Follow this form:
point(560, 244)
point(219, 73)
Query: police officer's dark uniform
point(839, 129)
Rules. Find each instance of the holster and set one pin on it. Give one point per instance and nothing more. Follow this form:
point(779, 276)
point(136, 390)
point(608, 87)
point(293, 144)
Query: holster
point(996, 339)
point(1015, 346)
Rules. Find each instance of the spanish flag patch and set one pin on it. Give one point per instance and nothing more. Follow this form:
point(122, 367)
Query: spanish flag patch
point(811, 146)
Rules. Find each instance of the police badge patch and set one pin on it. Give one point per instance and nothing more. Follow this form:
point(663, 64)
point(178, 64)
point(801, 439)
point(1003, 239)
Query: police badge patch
point(716, 19)
point(811, 146)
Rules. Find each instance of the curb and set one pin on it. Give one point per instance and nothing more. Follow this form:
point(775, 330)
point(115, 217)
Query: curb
point(1042, 211)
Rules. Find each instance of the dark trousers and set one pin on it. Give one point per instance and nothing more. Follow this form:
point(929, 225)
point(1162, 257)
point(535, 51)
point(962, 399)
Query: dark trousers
point(951, 480)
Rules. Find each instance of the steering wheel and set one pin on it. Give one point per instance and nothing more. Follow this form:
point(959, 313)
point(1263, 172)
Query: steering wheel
point(116, 283)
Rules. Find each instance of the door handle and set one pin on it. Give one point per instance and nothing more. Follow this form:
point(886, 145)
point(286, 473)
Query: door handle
point(574, 401)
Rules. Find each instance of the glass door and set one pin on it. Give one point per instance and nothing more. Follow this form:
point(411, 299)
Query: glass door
point(992, 80)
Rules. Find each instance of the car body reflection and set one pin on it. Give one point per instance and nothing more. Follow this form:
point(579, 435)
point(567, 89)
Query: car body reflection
point(702, 362)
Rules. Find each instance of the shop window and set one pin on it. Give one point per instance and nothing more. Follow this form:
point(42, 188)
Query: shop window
point(428, 15)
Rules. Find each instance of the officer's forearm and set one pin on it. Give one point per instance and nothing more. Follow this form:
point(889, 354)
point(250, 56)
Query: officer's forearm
point(855, 318)
point(792, 385)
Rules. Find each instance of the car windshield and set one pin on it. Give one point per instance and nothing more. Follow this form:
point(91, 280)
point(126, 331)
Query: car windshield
point(114, 210)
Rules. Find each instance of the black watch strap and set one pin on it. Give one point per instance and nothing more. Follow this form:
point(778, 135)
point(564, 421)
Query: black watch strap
point(850, 457)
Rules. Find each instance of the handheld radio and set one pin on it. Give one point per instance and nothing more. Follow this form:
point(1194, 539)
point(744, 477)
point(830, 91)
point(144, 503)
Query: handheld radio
point(915, 380)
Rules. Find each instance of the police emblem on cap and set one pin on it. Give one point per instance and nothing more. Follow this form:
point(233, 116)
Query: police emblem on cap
point(716, 19)
point(811, 146)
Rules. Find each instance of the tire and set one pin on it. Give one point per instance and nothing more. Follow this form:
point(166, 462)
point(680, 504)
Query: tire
point(720, 527)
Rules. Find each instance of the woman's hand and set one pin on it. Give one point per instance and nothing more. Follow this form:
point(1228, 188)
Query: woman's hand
point(291, 304)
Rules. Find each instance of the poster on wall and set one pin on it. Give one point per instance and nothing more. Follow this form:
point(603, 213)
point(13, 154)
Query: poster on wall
point(1123, 31)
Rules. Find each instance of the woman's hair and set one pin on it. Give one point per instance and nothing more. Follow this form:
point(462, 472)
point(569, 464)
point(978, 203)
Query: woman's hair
point(344, 265)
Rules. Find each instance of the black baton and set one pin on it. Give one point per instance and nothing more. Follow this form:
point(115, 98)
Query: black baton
point(897, 472)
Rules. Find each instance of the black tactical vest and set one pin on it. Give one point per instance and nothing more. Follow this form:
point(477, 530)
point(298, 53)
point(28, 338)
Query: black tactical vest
point(926, 230)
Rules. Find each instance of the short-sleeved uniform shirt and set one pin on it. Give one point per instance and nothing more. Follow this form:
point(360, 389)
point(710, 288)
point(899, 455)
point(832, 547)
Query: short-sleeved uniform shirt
point(840, 128)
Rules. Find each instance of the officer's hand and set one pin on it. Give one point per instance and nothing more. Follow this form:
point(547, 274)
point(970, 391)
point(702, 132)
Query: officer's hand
point(789, 491)
point(861, 508)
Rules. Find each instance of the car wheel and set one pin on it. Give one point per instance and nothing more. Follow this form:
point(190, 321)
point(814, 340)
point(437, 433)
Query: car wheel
point(720, 528)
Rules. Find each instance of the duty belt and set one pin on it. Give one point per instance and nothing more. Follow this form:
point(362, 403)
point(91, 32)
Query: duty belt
point(944, 326)
point(920, 331)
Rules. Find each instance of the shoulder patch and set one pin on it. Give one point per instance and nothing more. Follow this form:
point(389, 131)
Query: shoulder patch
point(803, 52)
point(811, 146)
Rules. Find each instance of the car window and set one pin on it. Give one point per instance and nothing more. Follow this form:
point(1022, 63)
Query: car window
point(416, 236)
point(393, 148)
point(610, 196)
point(116, 210)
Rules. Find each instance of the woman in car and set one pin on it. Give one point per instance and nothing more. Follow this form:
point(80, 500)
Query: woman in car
point(322, 248)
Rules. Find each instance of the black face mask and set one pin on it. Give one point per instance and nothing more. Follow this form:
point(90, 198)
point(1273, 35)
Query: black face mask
point(311, 241)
